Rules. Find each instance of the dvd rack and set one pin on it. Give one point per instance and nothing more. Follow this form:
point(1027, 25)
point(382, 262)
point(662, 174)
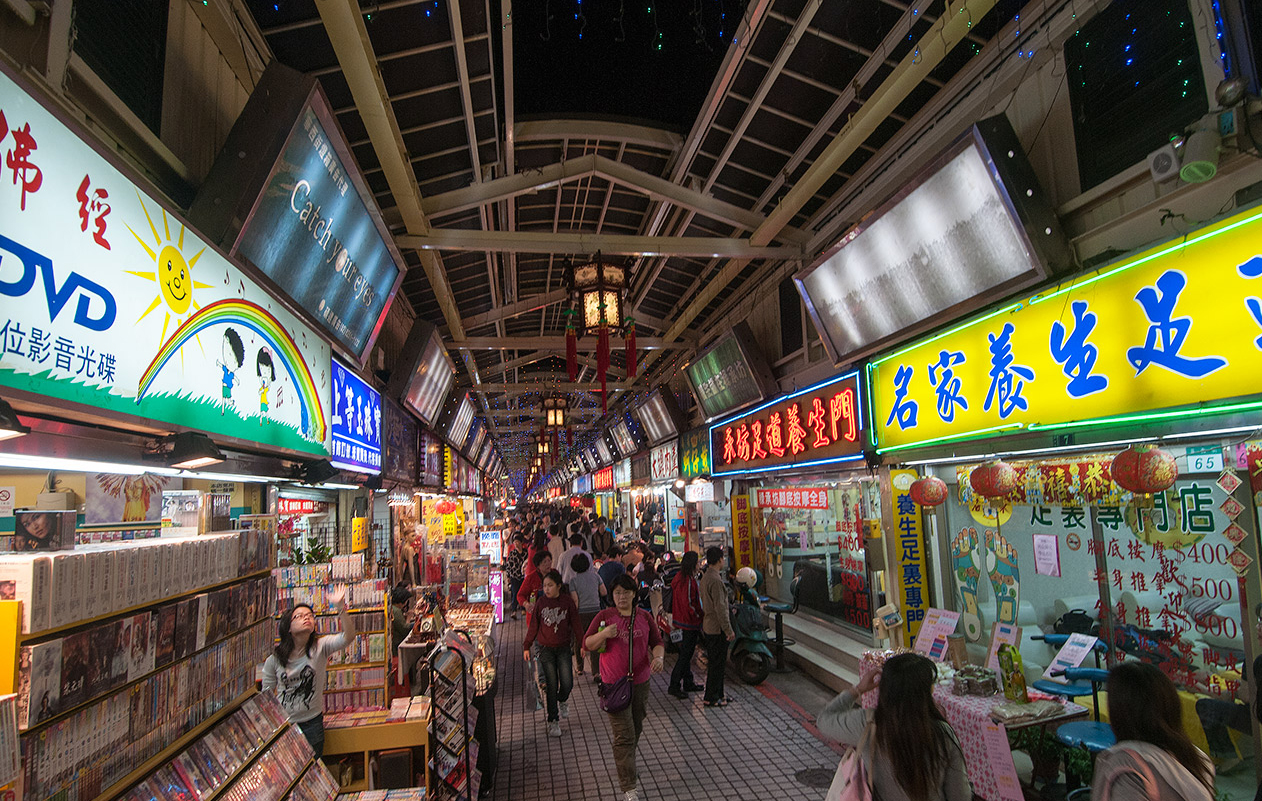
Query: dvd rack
point(120, 683)
point(452, 720)
point(253, 754)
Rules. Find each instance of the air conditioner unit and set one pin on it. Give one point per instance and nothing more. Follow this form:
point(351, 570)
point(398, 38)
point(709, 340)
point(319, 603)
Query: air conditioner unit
point(1163, 163)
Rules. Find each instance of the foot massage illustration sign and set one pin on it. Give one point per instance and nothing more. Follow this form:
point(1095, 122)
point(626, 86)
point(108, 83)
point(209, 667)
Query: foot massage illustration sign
point(108, 300)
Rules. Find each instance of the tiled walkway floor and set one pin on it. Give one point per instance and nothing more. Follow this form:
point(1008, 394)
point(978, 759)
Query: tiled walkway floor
point(751, 750)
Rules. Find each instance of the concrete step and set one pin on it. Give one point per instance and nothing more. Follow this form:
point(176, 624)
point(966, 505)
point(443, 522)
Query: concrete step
point(822, 638)
point(826, 671)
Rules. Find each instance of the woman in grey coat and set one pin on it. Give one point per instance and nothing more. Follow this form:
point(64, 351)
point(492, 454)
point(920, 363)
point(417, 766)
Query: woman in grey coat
point(912, 753)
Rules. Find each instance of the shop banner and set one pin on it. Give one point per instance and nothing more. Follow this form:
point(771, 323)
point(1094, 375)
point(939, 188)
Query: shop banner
point(665, 461)
point(300, 506)
point(742, 533)
point(725, 378)
point(111, 301)
point(356, 423)
point(694, 453)
point(1072, 481)
point(497, 595)
point(912, 569)
point(359, 534)
point(1176, 325)
point(793, 498)
point(1253, 462)
point(489, 545)
point(699, 491)
point(602, 480)
point(818, 425)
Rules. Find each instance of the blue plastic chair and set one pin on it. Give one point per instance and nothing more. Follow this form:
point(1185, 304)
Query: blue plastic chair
point(1092, 735)
point(1074, 689)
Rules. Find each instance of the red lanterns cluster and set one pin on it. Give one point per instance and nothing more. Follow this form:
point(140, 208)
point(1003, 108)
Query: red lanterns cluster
point(994, 479)
point(446, 507)
point(928, 491)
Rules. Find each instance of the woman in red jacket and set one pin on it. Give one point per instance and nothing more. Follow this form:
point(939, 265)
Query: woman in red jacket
point(685, 608)
point(554, 623)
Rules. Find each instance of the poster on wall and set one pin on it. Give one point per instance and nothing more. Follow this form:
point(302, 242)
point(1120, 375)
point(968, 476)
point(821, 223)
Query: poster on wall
point(111, 498)
point(112, 302)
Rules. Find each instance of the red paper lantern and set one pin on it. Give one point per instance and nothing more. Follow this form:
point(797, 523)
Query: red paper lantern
point(446, 507)
point(993, 479)
point(1144, 469)
point(928, 491)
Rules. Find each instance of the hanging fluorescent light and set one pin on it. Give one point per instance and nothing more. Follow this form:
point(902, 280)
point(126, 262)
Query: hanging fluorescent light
point(10, 425)
point(191, 450)
point(21, 461)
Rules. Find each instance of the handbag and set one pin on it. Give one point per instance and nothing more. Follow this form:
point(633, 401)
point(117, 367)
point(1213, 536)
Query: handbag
point(851, 782)
point(617, 696)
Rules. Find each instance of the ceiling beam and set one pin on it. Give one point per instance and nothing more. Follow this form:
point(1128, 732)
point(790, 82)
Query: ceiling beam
point(608, 244)
point(523, 306)
point(556, 344)
point(930, 50)
point(344, 23)
point(555, 386)
point(508, 187)
point(596, 130)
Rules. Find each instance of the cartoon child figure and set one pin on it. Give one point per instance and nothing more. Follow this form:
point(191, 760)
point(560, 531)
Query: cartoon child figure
point(233, 356)
point(267, 375)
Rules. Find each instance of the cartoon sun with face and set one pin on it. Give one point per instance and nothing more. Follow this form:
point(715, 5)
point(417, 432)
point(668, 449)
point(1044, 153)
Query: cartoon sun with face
point(173, 273)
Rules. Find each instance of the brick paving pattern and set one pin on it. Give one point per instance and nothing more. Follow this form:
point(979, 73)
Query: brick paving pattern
point(752, 750)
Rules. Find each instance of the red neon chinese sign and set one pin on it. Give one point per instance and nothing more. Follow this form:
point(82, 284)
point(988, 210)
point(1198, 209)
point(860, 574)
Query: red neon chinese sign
point(603, 479)
point(821, 424)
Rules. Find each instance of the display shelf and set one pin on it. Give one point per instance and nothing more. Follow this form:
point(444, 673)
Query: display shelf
point(376, 737)
point(247, 764)
point(153, 763)
point(297, 778)
point(450, 696)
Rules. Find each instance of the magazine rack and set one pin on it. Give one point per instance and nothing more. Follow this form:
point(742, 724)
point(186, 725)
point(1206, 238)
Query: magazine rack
point(452, 722)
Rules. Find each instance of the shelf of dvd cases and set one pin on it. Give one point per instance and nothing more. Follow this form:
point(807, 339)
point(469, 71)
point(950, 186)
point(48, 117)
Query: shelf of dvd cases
point(122, 682)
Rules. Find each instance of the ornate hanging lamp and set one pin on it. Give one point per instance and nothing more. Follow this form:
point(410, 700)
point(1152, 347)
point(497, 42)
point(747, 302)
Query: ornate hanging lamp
point(596, 289)
point(928, 491)
point(1144, 469)
point(994, 479)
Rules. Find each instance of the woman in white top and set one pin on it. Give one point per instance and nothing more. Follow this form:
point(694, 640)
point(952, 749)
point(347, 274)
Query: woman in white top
point(297, 670)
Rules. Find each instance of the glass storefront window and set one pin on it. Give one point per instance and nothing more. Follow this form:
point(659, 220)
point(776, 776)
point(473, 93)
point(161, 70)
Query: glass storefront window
point(817, 529)
point(1159, 575)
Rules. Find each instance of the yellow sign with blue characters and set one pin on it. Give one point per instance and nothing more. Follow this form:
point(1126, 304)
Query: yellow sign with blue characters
point(1178, 325)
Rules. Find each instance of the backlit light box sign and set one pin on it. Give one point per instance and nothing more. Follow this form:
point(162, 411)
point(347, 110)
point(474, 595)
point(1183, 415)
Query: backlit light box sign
point(1177, 325)
point(665, 461)
point(730, 375)
point(423, 374)
point(602, 450)
point(657, 418)
point(113, 303)
point(819, 425)
point(461, 421)
point(285, 193)
point(694, 452)
point(622, 438)
point(974, 227)
point(356, 423)
point(602, 480)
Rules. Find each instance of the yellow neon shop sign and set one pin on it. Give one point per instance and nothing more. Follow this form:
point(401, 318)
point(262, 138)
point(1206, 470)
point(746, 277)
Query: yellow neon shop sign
point(1177, 325)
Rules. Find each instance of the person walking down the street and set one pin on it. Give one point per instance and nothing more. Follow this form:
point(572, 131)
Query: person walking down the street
point(555, 625)
point(1153, 759)
point(602, 538)
point(910, 751)
point(564, 564)
point(514, 568)
point(716, 626)
point(627, 635)
point(529, 593)
point(685, 608)
point(588, 591)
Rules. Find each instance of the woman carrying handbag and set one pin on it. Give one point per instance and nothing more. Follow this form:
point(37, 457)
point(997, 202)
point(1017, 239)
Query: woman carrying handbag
point(627, 639)
point(905, 751)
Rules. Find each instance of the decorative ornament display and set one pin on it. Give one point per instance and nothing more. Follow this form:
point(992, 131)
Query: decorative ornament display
point(602, 359)
point(928, 491)
point(1144, 469)
point(994, 479)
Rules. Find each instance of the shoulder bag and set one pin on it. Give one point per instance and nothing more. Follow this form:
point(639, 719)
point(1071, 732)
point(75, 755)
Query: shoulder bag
point(617, 696)
point(852, 782)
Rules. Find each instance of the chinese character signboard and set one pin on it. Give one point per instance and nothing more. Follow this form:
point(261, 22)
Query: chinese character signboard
point(311, 224)
point(699, 491)
point(356, 423)
point(300, 506)
point(793, 498)
point(910, 546)
point(665, 461)
point(622, 473)
point(729, 375)
point(694, 453)
point(1179, 324)
point(641, 469)
point(602, 480)
point(818, 425)
point(742, 533)
point(112, 302)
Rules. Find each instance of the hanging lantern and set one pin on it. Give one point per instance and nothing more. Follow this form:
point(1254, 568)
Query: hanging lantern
point(928, 491)
point(1144, 469)
point(993, 479)
point(446, 507)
